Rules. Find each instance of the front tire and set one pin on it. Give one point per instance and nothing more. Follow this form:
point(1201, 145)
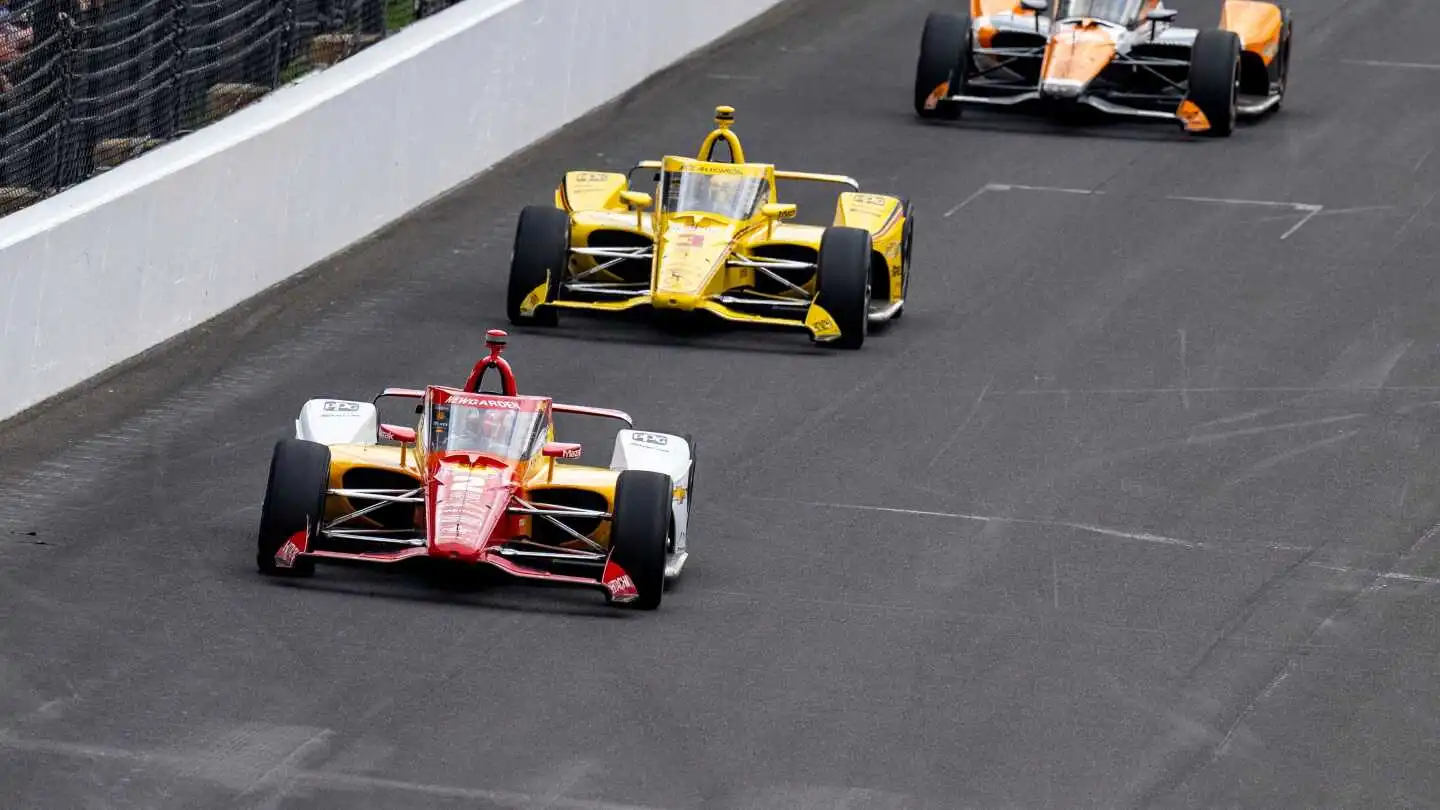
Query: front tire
point(843, 283)
point(541, 256)
point(294, 502)
point(640, 531)
point(944, 58)
point(1215, 79)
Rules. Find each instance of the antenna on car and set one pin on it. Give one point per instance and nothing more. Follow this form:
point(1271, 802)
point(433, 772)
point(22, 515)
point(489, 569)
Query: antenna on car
point(495, 340)
point(724, 119)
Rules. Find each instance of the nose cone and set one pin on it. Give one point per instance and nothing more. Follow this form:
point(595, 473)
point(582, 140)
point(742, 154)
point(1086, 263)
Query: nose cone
point(469, 501)
point(690, 255)
point(1073, 59)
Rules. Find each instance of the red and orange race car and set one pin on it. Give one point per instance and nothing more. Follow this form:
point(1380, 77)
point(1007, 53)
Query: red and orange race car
point(1121, 57)
point(479, 480)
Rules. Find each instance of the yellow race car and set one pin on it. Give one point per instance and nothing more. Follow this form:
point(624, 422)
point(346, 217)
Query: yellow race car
point(717, 242)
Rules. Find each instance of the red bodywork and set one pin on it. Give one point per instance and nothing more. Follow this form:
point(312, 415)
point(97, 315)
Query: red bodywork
point(468, 496)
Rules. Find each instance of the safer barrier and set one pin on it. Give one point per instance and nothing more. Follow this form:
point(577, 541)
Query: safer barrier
point(136, 256)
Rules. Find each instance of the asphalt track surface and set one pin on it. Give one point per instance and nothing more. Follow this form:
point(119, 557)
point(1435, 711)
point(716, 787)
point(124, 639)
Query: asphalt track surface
point(1135, 508)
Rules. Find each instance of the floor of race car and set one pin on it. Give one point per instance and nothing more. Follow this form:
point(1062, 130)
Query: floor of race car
point(1135, 507)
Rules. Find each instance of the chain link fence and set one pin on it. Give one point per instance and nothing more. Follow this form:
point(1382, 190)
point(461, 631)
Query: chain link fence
point(86, 85)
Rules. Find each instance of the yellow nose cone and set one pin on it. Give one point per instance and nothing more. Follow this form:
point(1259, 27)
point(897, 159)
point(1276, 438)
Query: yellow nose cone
point(683, 302)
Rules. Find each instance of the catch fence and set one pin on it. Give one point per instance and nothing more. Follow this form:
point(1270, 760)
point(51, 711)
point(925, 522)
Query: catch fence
point(86, 85)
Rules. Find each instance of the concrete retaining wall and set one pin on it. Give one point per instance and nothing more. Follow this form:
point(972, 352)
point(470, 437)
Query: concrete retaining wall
point(169, 240)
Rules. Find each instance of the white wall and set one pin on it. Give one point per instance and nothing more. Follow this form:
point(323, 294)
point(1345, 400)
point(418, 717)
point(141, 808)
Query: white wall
point(148, 250)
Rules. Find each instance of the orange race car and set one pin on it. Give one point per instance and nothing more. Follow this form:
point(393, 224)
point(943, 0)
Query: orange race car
point(1121, 57)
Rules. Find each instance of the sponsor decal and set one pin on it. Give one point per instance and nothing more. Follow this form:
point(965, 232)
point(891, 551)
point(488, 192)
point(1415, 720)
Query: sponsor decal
point(618, 583)
point(656, 439)
point(622, 588)
point(294, 546)
point(933, 100)
point(716, 169)
point(339, 406)
point(454, 505)
point(689, 240)
point(484, 402)
point(571, 452)
point(872, 200)
point(590, 177)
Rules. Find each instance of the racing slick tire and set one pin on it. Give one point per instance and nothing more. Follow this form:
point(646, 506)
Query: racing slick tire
point(294, 502)
point(1215, 79)
point(842, 283)
point(944, 56)
point(640, 532)
point(542, 248)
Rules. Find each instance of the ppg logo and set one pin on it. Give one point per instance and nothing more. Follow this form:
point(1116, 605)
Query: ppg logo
point(344, 407)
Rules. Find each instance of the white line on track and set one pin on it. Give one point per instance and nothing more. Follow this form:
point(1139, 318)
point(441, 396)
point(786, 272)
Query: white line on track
point(1054, 189)
point(1143, 537)
point(1275, 389)
point(321, 779)
point(1379, 63)
point(966, 201)
point(1309, 210)
point(1014, 187)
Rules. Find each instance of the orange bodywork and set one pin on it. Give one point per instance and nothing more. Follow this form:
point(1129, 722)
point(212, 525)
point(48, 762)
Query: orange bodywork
point(986, 8)
point(985, 34)
point(1078, 55)
point(1258, 25)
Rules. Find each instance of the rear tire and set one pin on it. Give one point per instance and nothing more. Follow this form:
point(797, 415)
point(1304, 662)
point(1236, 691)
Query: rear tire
point(1215, 79)
point(944, 58)
point(542, 248)
point(294, 502)
point(843, 283)
point(640, 530)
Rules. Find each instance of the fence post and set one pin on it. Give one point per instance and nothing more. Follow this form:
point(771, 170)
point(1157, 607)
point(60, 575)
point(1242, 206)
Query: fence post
point(66, 132)
point(167, 101)
point(283, 32)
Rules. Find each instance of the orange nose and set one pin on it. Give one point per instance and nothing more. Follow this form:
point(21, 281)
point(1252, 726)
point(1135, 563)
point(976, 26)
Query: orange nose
point(1073, 59)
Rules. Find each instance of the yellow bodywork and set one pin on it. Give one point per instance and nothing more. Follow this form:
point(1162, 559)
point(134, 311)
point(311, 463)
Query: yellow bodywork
point(700, 257)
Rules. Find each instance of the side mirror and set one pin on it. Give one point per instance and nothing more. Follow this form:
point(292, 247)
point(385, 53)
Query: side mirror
point(1162, 15)
point(779, 211)
point(637, 200)
point(561, 450)
point(399, 434)
point(1036, 6)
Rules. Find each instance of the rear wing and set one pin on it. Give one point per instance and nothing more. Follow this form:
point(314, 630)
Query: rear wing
point(604, 413)
point(779, 175)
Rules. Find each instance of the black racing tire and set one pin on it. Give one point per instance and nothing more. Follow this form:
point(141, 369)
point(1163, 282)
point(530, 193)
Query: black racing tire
point(944, 58)
point(542, 248)
point(1215, 79)
point(842, 283)
point(294, 501)
point(640, 530)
